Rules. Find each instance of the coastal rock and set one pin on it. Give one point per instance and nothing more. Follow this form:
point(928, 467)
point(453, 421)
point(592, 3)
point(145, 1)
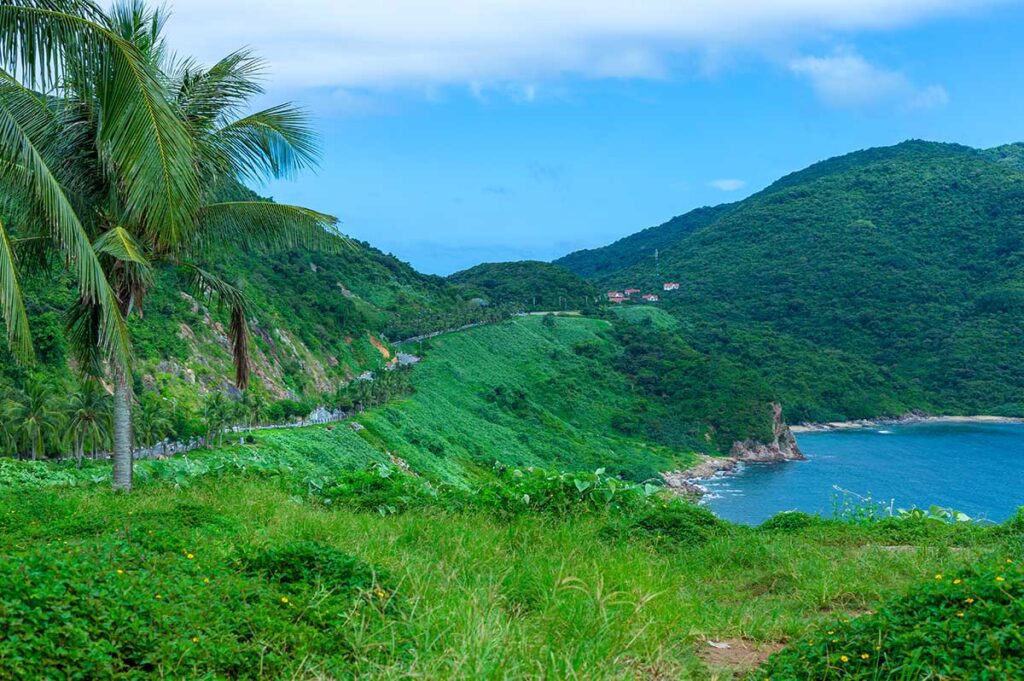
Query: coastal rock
point(783, 446)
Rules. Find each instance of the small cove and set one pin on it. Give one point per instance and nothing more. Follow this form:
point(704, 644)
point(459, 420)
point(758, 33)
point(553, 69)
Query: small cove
point(974, 468)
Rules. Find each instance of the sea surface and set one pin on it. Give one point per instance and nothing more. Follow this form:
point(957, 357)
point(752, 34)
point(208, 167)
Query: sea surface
point(977, 469)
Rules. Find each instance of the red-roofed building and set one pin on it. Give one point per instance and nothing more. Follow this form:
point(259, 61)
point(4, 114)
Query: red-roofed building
point(650, 298)
point(671, 286)
point(616, 297)
point(632, 291)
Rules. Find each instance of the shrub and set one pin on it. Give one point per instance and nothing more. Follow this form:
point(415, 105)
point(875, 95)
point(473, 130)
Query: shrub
point(537, 490)
point(954, 626)
point(676, 522)
point(381, 489)
point(790, 521)
point(312, 563)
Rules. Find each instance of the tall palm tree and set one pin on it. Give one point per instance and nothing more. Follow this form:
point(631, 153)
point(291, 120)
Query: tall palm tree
point(90, 418)
point(149, 145)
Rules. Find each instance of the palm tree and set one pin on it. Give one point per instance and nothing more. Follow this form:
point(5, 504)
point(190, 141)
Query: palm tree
point(152, 423)
point(89, 411)
point(8, 426)
point(37, 417)
point(148, 146)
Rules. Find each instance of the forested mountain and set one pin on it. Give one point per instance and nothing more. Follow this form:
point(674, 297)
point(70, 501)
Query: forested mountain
point(529, 284)
point(596, 263)
point(872, 283)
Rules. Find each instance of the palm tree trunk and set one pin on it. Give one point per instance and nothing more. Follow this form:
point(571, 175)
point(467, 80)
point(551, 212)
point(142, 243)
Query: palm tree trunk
point(122, 436)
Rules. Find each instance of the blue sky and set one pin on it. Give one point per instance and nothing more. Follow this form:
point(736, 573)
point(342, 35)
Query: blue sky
point(457, 137)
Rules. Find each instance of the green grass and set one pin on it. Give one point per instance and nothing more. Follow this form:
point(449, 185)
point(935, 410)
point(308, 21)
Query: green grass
point(469, 596)
point(518, 393)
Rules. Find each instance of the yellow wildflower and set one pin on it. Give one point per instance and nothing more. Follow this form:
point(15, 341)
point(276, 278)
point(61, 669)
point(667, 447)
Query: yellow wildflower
point(1000, 579)
point(206, 580)
point(864, 656)
point(959, 614)
point(159, 597)
point(284, 599)
point(938, 576)
point(968, 600)
point(844, 658)
point(190, 556)
point(120, 571)
point(195, 639)
point(956, 581)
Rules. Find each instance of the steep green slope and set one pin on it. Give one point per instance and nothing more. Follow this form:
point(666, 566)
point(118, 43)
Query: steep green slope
point(598, 263)
point(528, 284)
point(567, 393)
point(319, 318)
point(869, 284)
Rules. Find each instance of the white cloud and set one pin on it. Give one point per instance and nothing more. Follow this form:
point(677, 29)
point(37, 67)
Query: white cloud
point(412, 43)
point(728, 185)
point(846, 79)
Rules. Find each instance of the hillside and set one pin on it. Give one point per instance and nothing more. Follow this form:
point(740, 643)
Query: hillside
point(597, 263)
point(568, 393)
point(528, 284)
point(861, 286)
point(319, 318)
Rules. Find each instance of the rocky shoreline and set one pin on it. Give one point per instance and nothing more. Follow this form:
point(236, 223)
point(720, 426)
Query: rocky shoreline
point(906, 419)
point(781, 448)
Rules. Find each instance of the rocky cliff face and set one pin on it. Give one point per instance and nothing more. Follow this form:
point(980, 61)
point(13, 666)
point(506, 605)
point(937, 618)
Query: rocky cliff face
point(783, 446)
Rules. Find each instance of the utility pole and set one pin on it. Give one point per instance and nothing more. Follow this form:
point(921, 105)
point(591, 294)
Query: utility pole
point(657, 265)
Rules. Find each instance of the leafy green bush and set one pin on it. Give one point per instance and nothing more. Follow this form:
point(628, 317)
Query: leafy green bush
point(789, 521)
point(965, 625)
point(541, 491)
point(312, 563)
point(381, 489)
point(139, 604)
point(677, 522)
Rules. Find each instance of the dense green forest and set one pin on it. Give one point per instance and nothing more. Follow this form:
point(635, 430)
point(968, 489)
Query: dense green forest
point(528, 284)
point(870, 284)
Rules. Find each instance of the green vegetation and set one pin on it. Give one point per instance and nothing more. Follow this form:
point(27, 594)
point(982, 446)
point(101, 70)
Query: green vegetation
point(529, 284)
point(251, 572)
point(862, 286)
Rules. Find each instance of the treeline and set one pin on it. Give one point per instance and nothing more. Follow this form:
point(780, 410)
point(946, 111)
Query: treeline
point(438, 320)
point(50, 419)
point(688, 399)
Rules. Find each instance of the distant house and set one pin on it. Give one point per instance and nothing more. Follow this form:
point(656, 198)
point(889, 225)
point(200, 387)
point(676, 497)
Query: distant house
point(650, 298)
point(616, 297)
point(632, 291)
point(671, 286)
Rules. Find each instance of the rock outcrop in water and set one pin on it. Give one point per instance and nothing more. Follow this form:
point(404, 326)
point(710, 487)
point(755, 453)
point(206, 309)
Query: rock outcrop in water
point(782, 447)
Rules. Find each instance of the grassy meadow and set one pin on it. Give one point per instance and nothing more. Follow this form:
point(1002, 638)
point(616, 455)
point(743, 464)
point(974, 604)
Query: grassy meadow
point(163, 582)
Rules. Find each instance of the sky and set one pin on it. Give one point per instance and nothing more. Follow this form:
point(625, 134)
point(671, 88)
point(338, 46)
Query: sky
point(458, 132)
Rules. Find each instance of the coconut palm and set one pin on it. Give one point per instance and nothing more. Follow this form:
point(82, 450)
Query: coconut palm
point(89, 418)
point(150, 146)
point(152, 423)
point(38, 418)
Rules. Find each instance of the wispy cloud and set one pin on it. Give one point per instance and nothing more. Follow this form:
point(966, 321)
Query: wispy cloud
point(846, 79)
point(728, 184)
point(409, 43)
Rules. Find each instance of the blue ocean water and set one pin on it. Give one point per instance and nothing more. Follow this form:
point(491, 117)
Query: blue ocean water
point(974, 468)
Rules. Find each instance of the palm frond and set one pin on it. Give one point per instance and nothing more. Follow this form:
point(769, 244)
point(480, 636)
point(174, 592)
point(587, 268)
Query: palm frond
point(208, 286)
point(145, 146)
point(206, 96)
point(273, 143)
point(22, 123)
point(118, 243)
point(12, 305)
point(268, 225)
